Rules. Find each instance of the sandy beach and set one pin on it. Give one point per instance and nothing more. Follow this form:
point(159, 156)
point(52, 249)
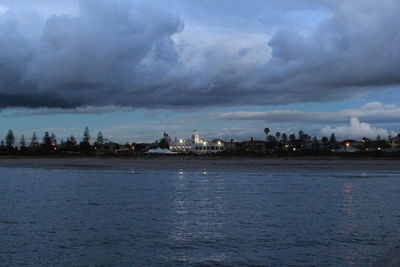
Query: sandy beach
point(127, 163)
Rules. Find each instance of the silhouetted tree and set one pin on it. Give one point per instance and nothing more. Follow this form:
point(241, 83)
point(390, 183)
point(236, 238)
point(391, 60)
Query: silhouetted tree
point(86, 135)
point(46, 142)
point(301, 134)
point(164, 143)
point(325, 142)
point(315, 143)
point(22, 142)
point(292, 139)
point(71, 143)
point(84, 146)
point(266, 131)
point(34, 141)
point(53, 139)
point(99, 140)
point(278, 135)
point(10, 139)
point(284, 137)
point(332, 141)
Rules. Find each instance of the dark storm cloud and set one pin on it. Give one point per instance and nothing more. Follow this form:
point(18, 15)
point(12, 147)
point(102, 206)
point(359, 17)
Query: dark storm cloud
point(122, 54)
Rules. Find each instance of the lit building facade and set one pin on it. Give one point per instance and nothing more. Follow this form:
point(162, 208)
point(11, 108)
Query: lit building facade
point(196, 145)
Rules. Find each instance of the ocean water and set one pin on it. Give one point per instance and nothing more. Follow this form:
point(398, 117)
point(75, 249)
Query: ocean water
point(197, 217)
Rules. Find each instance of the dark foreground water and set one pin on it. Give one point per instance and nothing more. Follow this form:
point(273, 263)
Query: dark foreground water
point(272, 217)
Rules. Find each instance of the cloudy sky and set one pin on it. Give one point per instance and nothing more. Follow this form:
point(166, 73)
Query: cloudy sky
point(227, 68)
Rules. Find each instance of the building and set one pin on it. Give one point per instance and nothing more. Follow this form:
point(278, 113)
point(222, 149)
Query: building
point(231, 146)
point(394, 142)
point(196, 145)
point(254, 146)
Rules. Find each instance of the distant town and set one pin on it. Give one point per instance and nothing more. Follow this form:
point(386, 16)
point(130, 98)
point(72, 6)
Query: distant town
point(278, 144)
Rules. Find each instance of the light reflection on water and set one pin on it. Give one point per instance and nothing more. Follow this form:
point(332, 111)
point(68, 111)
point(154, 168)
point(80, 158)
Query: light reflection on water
point(233, 217)
point(349, 208)
point(199, 217)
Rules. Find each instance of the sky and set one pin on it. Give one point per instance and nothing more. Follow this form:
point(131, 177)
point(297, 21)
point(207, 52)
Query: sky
point(227, 68)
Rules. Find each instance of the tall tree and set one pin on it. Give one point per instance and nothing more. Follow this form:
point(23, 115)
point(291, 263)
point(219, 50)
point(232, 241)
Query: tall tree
point(292, 138)
point(53, 139)
point(325, 142)
point(10, 139)
point(34, 141)
point(71, 140)
point(332, 141)
point(301, 134)
point(86, 135)
point(46, 142)
point(22, 142)
point(164, 143)
point(266, 131)
point(100, 139)
point(315, 143)
point(278, 135)
point(284, 137)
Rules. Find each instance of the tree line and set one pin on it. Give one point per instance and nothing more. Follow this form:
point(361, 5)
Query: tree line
point(49, 142)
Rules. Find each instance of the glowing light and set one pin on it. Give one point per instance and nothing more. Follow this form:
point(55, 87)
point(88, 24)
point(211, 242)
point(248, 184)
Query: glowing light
point(347, 144)
point(180, 141)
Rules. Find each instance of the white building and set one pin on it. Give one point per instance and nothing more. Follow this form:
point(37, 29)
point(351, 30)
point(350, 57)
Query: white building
point(196, 145)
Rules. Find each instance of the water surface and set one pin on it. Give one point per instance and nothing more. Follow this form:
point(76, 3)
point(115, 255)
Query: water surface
point(218, 216)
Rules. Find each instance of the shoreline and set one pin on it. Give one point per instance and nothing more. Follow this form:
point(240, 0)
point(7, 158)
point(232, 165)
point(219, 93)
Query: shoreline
point(182, 162)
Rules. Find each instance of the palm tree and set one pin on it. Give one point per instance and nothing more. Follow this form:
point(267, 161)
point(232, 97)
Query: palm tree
point(292, 138)
point(266, 131)
point(278, 135)
point(284, 137)
point(301, 134)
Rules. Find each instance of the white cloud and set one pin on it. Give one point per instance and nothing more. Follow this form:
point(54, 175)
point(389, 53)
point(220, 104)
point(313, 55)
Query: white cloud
point(356, 130)
point(373, 112)
point(3, 9)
